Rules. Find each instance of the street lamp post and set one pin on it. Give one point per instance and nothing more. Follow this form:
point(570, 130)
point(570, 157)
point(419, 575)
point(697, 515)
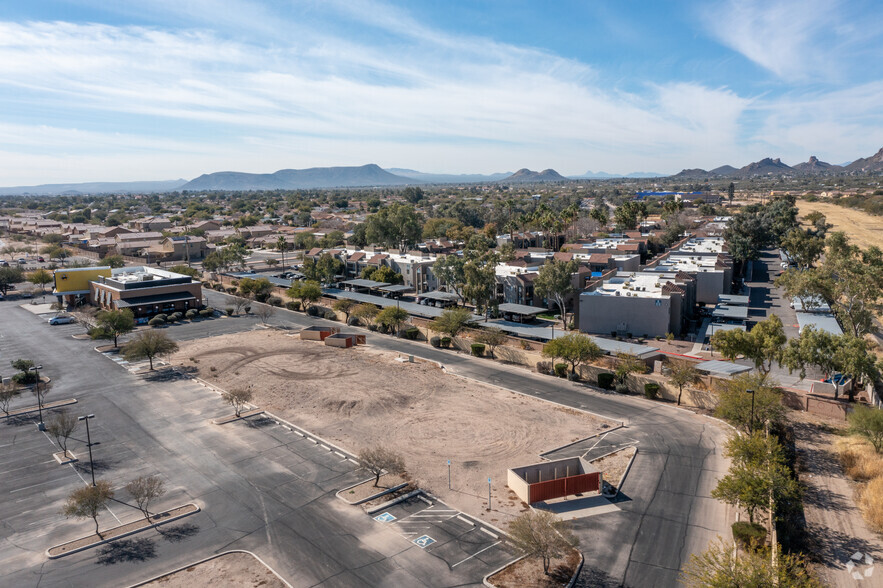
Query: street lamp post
point(751, 426)
point(36, 369)
point(89, 444)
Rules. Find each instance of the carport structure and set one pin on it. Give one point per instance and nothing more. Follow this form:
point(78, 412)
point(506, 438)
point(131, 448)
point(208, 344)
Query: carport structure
point(520, 312)
point(438, 298)
point(360, 285)
point(722, 369)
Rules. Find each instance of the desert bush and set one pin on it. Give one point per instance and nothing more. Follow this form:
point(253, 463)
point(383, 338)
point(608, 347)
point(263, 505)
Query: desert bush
point(24, 378)
point(544, 367)
point(477, 349)
point(871, 503)
point(411, 333)
point(274, 301)
point(247, 309)
point(292, 305)
point(561, 370)
point(206, 312)
point(314, 311)
point(229, 310)
point(622, 388)
point(330, 315)
point(162, 316)
point(353, 321)
point(749, 535)
point(232, 290)
point(651, 390)
point(605, 380)
point(177, 316)
point(156, 321)
point(445, 342)
point(193, 313)
point(435, 341)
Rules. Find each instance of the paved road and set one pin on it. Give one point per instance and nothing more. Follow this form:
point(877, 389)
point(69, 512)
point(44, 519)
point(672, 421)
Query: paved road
point(261, 486)
point(666, 511)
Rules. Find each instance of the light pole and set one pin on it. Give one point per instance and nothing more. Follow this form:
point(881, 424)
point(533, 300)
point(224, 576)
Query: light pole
point(36, 369)
point(488, 492)
point(449, 474)
point(751, 427)
point(89, 444)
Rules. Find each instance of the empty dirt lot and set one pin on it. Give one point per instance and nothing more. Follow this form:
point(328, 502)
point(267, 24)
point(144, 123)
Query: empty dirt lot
point(362, 397)
point(863, 229)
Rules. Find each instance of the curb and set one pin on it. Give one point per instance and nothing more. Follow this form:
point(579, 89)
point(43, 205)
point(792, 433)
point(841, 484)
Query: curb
point(610, 430)
point(485, 580)
point(394, 501)
point(46, 406)
point(579, 568)
point(372, 497)
point(127, 534)
point(625, 474)
point(211, 557)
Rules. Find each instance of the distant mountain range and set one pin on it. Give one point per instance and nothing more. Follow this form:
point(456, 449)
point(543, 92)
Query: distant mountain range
point(93, 188)
point(295, 179)
point(373, 175)
point(775, 167)
point(589, 175)
point(447, 178)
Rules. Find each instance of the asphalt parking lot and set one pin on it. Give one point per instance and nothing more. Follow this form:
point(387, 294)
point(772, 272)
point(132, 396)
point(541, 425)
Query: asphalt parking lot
point(261, 486)
point(447, 534)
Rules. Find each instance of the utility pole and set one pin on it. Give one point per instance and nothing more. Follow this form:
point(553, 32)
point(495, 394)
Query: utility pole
point(89, 444)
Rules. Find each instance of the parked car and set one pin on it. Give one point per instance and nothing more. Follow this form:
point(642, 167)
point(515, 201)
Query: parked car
point(61, 320)
point(22, 261)
point(40, 259)
point(4, 264)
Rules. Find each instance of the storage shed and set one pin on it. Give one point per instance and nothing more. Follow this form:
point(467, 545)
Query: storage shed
point(317, 333)
point(344, 340)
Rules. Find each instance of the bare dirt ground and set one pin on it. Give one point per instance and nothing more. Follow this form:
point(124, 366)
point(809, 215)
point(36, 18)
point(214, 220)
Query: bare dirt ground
point(833, 519)
point(239, 570)
point(362, 397)
point(863, 229)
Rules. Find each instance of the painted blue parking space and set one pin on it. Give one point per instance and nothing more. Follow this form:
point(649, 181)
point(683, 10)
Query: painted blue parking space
point(384, 518)
point(423, 541)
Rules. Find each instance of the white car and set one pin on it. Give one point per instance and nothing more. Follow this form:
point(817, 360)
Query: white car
point(61, 320)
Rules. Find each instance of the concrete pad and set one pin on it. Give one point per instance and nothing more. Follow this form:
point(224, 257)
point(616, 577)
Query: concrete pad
point(38, 308)
point(578, 508)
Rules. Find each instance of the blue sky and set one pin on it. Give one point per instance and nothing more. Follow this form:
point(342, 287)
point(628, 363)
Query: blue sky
point(135, 90)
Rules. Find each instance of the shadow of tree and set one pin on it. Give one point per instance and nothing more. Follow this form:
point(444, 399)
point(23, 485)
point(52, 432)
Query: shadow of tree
point(127, 550)
point(178, 533)
point(594, 578)
point(259, 423)
point(830, 545)
point(164, 375)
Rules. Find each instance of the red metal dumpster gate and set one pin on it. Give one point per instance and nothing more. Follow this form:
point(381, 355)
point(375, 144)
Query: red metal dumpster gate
point(561, 487)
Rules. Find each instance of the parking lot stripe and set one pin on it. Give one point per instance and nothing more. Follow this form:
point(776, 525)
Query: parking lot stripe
point(467, 521)
point(489, 533)
point(474, 554)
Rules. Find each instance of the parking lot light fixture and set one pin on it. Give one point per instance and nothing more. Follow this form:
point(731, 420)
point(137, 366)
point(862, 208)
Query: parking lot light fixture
point(89, 444)
point(36, 369)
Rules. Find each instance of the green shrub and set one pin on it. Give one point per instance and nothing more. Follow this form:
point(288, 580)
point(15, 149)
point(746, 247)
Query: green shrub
point(206, 312)
point(478, 349)
point(172, 318)
point(651, 390)
point(353, 321)
point(261, 296)
point(412, 333)
point(313, 311)
point(561, 370)
point(292, 305)
point(274, 301)
point(229, 310)
point(605, 380)
point(232, 290)
point(25, 378)
point(162, 316)
point(330, 315)
point(622, 388)
point(247, 309)
point(193, 313)
point(156, 321)
point(445, 342)
point(749, 535)
point(435, 341)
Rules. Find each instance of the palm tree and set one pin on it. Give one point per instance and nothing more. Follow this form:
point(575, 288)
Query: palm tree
point(280, 244)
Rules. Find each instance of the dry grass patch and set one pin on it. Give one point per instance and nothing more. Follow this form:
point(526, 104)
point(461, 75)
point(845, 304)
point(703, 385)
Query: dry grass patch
point(241, 570)
point(863, 229)
point(858, 458)
point(529, 572)
point(870, 501)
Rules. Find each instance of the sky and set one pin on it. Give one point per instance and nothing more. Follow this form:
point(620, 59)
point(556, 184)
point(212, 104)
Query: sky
point(92, 90)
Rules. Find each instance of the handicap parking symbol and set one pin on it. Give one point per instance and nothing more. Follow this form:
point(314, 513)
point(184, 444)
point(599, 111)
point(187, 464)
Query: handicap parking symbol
point(424, 541)
point(384, 518)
